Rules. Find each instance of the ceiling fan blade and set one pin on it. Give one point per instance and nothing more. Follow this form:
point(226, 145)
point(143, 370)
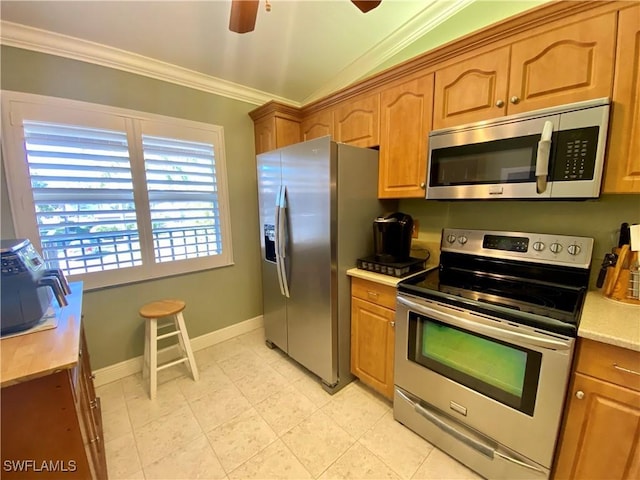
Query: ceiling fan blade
point(366, 5)
point(243, 15)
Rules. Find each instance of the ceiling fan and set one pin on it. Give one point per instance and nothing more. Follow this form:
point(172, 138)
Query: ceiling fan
point(244, 12)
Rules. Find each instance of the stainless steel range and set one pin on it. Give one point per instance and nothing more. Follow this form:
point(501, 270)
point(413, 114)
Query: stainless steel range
point(484, 346)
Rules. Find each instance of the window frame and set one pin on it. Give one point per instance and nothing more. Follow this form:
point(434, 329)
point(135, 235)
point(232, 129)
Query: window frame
point(17, 106)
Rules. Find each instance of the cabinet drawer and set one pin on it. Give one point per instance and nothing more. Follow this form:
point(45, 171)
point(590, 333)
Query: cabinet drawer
point(373, 292)
point(608, 362)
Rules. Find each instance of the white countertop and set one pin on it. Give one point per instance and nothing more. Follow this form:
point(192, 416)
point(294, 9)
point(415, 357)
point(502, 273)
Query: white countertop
point(381, 278)
point(609, 321)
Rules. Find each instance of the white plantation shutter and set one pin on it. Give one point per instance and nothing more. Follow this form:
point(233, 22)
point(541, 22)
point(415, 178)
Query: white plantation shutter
point(83, 196)
point(113, 196)
point(183, 198)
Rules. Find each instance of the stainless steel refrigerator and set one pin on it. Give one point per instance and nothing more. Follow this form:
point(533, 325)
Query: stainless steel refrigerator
point(318, 200)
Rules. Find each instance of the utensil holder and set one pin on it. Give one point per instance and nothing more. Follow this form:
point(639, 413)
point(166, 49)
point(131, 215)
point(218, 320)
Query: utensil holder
point(622, 282)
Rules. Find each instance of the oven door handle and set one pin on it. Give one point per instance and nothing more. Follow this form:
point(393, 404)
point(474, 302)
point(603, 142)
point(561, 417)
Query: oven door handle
point(485, 329)
point(482, 447)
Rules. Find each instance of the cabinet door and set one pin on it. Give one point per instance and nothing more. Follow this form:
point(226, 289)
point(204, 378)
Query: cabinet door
point(265, 135)
point(472, 90)
point(405, 122)
point(622, 171)
point(372, 345)
point(318, 125)
point(600, 438)
point(357, 121)
point(275, 132)
point(564, 65)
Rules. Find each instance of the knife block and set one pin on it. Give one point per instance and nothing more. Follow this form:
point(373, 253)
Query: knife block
point(623, 281)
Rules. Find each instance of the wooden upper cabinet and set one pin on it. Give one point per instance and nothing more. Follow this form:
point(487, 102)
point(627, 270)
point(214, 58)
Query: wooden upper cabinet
point(405, 122)
point(275, 125)
point(563, 65)
point(275, 132)
point(357, 121)
point(317, 125)
point(622, 172)
point(558, 65)
point(472, 90)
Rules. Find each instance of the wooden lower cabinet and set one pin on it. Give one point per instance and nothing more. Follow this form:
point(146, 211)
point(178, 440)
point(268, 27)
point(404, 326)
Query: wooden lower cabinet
point(373, 334)
point(52, 426)
point(602, 425)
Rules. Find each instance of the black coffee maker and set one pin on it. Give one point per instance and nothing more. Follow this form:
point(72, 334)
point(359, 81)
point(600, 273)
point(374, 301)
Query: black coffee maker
point(392, 237)
point(392, 247)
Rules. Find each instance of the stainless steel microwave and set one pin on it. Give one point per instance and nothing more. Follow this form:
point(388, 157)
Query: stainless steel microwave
point(553, 153)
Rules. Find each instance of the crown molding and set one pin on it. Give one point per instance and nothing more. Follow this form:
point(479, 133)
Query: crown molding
point(429, 18)
point(43, 41)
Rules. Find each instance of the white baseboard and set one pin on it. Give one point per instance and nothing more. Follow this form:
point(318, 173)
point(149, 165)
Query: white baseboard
point(134, 365)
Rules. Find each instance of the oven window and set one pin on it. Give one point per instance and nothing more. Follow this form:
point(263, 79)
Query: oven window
point(510, 160)
point(505, 372)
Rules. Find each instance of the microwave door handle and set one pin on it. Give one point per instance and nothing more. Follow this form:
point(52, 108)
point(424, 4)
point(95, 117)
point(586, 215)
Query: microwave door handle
point(542, 158)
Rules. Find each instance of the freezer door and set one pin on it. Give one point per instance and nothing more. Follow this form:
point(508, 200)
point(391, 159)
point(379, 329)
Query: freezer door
point(306, 174)
point(274, 303)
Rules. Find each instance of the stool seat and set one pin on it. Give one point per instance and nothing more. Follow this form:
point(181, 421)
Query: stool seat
point(162, 308)
point(152, 312)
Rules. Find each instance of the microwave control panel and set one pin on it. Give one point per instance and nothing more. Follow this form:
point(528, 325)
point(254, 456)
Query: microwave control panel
point(575, 156)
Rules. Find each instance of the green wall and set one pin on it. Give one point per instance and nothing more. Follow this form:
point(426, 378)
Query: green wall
point(215, 298)
point(599, 219)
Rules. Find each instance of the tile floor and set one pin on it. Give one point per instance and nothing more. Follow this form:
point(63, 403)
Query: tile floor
point(255, 414)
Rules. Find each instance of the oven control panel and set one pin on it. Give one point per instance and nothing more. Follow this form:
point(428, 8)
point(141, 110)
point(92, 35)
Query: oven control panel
point(527, 247)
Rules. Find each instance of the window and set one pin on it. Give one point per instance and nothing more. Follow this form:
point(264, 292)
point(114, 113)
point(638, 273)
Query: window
point(113, 196)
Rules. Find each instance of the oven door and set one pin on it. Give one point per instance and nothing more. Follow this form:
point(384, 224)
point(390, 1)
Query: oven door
point(507, 382)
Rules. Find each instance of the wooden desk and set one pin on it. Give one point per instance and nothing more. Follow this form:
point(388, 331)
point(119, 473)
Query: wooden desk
point(51, 417)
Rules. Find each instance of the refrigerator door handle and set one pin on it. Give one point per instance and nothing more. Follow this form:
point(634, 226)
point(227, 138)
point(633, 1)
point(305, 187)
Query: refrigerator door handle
point(283, 237)
point(279, 260)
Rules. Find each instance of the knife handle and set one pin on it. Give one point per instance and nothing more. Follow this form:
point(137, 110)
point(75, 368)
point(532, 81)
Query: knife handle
point(601, 276)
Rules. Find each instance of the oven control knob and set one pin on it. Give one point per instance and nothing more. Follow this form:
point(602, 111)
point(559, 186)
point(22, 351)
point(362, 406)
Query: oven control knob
point(573, 249)
point(538, 246)
point(451, 238)
point(555, 247)
point(462, 239)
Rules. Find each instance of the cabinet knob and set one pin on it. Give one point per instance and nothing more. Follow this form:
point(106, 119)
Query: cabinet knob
point(579, 394)
point(392, 323)
point(422, 185)
point(500, 103)
point(515, 99)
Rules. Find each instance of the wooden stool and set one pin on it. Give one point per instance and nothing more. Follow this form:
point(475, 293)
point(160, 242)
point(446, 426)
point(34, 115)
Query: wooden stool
point(152, 312)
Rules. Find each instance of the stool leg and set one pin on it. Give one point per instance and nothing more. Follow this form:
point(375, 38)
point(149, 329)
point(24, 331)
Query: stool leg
point(145, 358)
point(153, 357)
point(185, 344)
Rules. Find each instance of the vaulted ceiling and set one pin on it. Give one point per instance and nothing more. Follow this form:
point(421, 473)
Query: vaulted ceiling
point(299, 51)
